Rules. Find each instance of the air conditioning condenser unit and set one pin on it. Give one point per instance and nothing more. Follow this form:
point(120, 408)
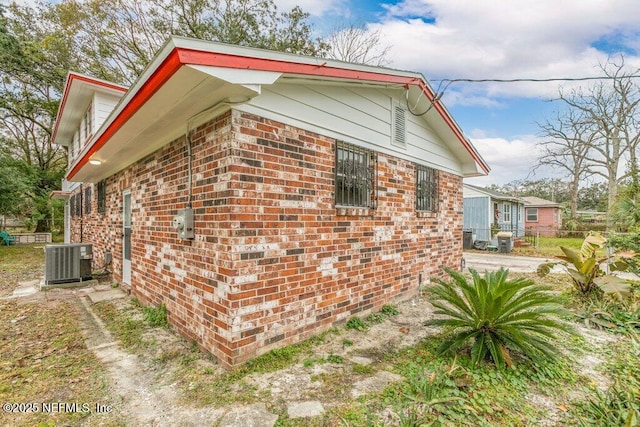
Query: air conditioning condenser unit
point(67, 263)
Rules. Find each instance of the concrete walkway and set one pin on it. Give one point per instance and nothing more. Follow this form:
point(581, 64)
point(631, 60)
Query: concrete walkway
point(490, 261)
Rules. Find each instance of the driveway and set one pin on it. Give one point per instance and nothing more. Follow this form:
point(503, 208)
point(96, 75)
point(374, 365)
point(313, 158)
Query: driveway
point(491, 261)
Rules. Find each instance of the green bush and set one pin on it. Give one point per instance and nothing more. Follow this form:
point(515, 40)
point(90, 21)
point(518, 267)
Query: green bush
point(497, 315)
point(156, 316)
point(629, 242)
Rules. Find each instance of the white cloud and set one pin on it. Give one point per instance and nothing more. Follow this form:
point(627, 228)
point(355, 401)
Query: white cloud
point(506, 39)
point(509, 160)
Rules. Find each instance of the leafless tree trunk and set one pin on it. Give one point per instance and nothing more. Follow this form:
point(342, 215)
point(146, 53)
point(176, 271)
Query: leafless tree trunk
point(355, 43)
point(611, 107)
point(569, 138)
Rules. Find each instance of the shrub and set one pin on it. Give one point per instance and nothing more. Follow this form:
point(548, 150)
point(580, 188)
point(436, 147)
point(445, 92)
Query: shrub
point(583, 266)
point(156, 316)
point(497, 315)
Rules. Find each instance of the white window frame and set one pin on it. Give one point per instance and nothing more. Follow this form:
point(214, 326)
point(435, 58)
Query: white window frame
point(537, 214)
point(506, 212)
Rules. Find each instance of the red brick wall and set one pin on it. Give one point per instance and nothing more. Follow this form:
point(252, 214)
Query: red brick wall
point(273, 261)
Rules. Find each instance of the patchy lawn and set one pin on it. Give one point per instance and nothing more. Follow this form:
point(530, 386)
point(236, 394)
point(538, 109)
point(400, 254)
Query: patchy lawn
point(383, 370)
point(20, 263)
point(44, 361)
point(550, 247)
point(375, 371)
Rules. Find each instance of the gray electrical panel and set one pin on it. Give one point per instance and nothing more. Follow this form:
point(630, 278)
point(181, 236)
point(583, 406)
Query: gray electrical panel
point(183, 223)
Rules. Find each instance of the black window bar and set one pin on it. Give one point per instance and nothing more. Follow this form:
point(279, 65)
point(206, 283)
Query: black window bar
point(426, 189)
point(79, 204)
point(354, 176)
point(72, 206)
point(102, 195)
point(87, 200)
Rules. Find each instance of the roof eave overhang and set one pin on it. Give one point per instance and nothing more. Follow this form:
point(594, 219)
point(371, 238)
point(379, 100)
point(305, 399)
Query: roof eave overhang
point(180, 54)
point(78, 90)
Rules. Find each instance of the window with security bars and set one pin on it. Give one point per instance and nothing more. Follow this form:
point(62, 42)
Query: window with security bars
point(87, 200)
point(102, 196)
point(426, 189)
point(72, 206)
point(79, 204)
point(354, 176)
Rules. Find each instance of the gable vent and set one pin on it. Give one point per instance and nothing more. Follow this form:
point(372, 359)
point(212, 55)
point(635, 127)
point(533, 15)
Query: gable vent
point(399, 126)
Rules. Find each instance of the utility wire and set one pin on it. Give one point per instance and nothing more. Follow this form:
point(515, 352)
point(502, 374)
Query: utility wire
point(448, 82)
point(552, 79)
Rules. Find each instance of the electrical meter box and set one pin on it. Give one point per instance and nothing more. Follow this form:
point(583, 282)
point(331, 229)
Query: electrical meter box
point(183, 223)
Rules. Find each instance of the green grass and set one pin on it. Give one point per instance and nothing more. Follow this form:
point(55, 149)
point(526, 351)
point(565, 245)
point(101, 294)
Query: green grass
point(44, 359)
point(550, 247)
point(20, 263)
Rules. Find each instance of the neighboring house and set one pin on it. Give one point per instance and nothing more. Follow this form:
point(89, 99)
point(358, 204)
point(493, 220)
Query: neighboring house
point(487, 212)
point(263, 196)
point(542, 216)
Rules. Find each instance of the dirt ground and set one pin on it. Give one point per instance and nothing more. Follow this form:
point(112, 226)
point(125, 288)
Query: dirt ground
point(166, 382)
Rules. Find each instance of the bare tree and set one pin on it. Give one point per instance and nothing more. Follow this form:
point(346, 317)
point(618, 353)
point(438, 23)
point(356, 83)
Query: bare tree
point(611, 106)
point(569, 140)
point(355, 43)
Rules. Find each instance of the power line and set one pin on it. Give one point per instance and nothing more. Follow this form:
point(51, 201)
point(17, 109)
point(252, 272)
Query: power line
point(448, 82)
point(552, 79)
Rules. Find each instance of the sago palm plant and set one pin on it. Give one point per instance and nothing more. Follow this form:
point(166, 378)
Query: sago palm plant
point(497, 316)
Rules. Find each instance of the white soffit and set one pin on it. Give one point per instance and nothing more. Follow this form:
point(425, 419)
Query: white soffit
point(251, 79)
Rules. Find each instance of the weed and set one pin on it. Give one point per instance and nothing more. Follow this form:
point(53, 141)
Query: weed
point(356, 323)
point(308, 363)
point(375, 318)
point(347, 343)
point(410, 417)
point(156, 316)
point(363, 369)
point(334, 358)
point(618, 406)
point(389, 310)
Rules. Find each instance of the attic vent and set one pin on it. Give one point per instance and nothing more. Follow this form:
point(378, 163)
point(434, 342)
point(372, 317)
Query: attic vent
point(399, 123)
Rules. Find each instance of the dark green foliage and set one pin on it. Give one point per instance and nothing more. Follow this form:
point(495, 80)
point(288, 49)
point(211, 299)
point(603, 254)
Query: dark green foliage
point(628, 242)
point(498, 316)
point(615, 407)
point(389, 310)
point(584, 268)
point(356, 323)
point(156, 316)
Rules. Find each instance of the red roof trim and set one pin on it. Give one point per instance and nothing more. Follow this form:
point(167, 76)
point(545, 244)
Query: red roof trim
point(168, 67)
point(67, 88)
point(195, 57)
point(188, 56)
point(181, 56)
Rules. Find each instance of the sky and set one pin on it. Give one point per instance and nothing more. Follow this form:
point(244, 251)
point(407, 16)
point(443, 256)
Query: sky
point(493, 39)
point(496, 39)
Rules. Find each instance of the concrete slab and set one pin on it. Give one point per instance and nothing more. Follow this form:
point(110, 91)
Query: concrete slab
point(24, 289)
point(109, 295)
point(359, 360)
point(486, 261)
point(374, 384)
point(71, 285)
point(255, 415)
point(311, 408)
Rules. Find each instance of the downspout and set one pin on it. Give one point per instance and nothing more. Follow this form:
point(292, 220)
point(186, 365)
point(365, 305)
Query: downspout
point(81, 211)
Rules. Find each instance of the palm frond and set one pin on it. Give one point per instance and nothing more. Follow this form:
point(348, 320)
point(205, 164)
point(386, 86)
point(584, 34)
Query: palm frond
point(498, 315)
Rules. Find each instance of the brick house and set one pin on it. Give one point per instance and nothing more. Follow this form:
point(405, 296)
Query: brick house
point(542, 216)
point(316, 194)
